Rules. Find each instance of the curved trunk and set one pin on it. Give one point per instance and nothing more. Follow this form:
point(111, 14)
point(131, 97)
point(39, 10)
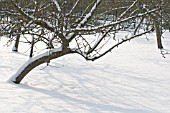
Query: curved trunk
point(34, 62)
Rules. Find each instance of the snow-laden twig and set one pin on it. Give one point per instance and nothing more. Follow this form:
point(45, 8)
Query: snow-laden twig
point(90, 14)
point(126, 11)
point(57, 5)
point(84, 29)
point(73, 8)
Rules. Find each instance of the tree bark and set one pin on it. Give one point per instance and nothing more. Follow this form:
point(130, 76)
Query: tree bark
point(158, 33)
point(16, 44)
point(32, 47)
point(22, 72)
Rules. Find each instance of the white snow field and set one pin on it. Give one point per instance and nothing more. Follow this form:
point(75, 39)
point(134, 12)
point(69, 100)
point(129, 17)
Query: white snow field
point(134, 78)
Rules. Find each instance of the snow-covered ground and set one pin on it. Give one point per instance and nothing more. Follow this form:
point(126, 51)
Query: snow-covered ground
point(134, 78)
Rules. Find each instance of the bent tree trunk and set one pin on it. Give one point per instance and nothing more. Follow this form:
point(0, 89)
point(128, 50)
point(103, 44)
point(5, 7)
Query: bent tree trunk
point(36, 61)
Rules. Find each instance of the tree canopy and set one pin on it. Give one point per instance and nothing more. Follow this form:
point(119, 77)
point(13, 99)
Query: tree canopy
point(62, 23)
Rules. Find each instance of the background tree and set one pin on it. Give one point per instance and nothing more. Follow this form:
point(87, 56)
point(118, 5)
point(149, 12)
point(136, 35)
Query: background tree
point(86, 27)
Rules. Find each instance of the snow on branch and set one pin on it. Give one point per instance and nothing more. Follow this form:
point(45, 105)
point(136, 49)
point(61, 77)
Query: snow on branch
point(90, 14)
point(57, 5)
point(87, 17)
point(126, 11)
point(73, 7)
point(96, 28)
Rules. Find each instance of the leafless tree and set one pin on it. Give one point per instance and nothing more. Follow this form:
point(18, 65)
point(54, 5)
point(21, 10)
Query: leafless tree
point(90, 30)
